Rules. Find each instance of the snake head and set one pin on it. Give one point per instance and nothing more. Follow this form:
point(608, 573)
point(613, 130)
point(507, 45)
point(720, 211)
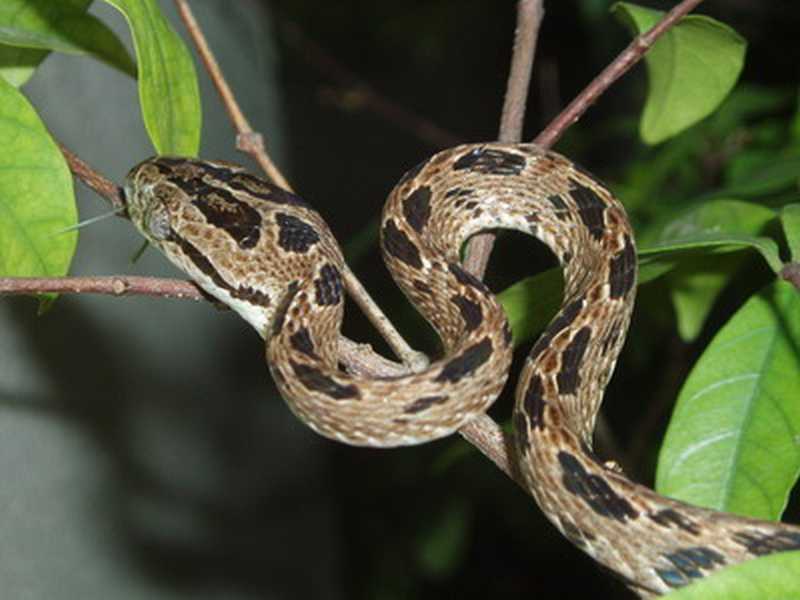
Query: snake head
point(151, 199)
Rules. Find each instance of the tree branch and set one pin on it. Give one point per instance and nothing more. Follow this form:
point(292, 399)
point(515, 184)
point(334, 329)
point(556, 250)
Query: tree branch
point(626, 59)
point(113, 285)
point(105, 188)
point(483, 432)
point(529, 19)
point(251, 142)
point(360, 358)
point(247, 140)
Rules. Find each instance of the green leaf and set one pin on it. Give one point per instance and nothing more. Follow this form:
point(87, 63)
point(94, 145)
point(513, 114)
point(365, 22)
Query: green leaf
point(532, 302)
point(650, 269)
point(696, 283)
point(63, 26)
point(17, 65)
point(691, 68)
point(731, 444)
point(790, 219)
point(721, 225)
point(36, 196)
point(772, 577)
point(710, 220)
point(695, 286)
point(718, 226)
point(771, 175)
point(168, 88)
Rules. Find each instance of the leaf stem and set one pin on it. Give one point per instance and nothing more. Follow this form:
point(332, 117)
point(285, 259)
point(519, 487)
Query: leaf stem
point(247, 140)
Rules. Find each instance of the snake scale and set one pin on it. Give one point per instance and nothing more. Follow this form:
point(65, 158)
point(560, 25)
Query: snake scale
point(269, 256)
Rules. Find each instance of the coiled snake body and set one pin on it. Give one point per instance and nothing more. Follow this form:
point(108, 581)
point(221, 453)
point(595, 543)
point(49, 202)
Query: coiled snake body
point(272, 258)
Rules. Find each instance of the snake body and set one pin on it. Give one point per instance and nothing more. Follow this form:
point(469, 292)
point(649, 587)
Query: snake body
point(272, 258)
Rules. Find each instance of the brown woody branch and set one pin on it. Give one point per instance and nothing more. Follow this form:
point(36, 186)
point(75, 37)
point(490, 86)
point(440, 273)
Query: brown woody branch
point(529, 19)
point(104, 187)
point(113, 285)
point(626, 59)
point(247, 140)
point(483, 432)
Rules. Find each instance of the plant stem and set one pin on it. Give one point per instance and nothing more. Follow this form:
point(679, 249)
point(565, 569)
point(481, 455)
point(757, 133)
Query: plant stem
point(626, 59)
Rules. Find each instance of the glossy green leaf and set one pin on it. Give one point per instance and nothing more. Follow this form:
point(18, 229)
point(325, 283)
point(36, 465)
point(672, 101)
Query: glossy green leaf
point(696, 283)
point(17, 65)
point(168, 88)
point(691, 69)
point(653, 269)
point(772, 577)
point(695, 286)
point(531, 303)
point(790, 219)
point(732, 441)
point(721, 225)
point(36, 196)
point(63, 26)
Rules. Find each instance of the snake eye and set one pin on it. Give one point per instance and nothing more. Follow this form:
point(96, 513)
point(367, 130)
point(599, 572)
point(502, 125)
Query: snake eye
point(157, 222)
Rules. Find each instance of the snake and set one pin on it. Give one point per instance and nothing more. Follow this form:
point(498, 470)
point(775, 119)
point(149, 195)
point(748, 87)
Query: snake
point(269, 256)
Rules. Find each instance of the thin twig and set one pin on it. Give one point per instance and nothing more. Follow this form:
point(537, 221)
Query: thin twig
point(627, 58)
point(113, 285)
point(172, 288)
point(105, 188)
point(250, 142)
point(360, 358)
point(483, 432)
point(247, 140)
point(361, 94)
point(529, 19)
point(414, 359)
